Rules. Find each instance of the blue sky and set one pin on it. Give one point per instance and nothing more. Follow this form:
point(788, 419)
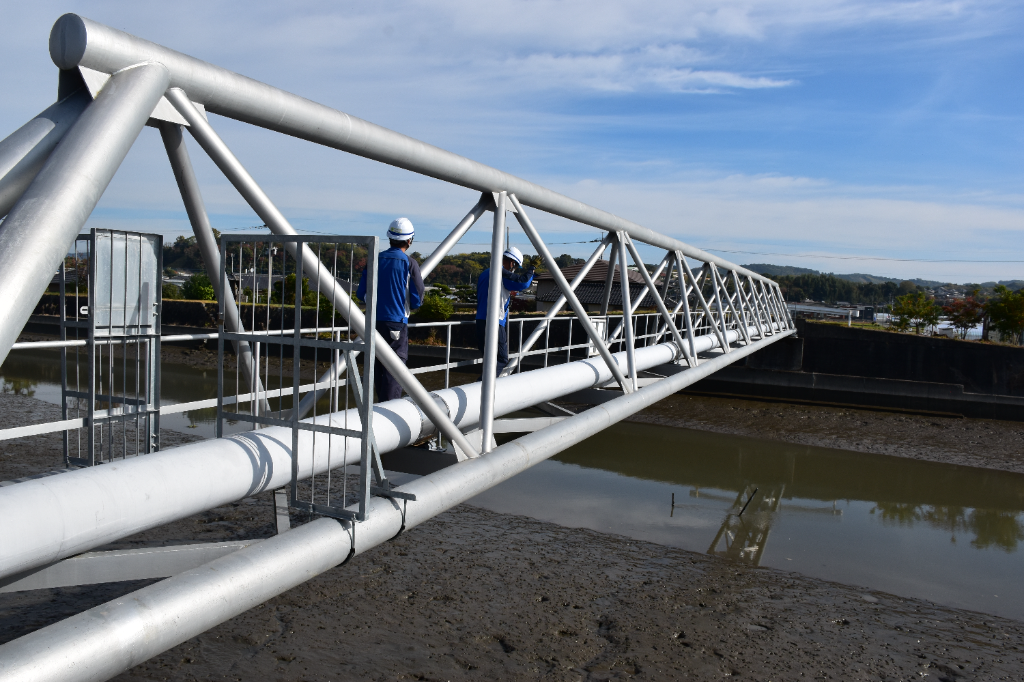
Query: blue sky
point(819, 132)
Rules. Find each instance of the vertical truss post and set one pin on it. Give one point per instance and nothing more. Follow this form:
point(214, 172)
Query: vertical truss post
point(570, 296)
point(557, 307)
point(658, 301)
point(191, 196)
point(495, 310)
point(627, 310)
point(257, 199)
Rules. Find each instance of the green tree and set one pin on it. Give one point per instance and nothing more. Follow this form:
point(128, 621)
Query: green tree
point(964, 314)
point(915, 310)
point(308, 296)
point(1006, 312)
point(171, 291)
point(198, 288)
point(435, 308)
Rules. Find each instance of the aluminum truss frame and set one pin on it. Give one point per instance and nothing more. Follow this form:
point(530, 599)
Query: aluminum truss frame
point(143, 81)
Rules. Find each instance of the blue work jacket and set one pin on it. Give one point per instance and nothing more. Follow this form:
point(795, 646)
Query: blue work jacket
point(399, 286)
point(510, 282)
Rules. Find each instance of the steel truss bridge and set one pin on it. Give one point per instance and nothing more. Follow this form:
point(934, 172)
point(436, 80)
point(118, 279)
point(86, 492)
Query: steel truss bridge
point(53, 171)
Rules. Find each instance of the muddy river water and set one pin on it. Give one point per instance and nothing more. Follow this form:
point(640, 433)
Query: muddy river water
point(946, 533)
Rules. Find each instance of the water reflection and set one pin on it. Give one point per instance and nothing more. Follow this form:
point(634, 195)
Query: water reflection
point(991, 527)
point(25, 387)
point(941, 532)
point(744, 532)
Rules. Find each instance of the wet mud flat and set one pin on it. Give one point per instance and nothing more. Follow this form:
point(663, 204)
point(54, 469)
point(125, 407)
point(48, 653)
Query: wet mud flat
point(985, 443)
point(473, 594)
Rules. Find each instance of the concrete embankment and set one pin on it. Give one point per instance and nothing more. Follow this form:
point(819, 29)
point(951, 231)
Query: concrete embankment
point(832, 364)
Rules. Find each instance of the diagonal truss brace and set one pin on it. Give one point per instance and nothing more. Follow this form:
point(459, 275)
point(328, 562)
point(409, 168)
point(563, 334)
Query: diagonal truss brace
point(570, 295)
point(254, 195)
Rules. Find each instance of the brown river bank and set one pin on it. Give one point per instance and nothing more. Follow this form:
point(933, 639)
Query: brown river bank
point(477, 595)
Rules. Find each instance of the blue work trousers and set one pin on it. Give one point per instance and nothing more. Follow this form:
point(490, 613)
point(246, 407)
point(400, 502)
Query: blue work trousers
point(481, 334)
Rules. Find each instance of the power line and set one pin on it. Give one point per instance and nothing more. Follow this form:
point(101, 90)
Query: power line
point(896, 260)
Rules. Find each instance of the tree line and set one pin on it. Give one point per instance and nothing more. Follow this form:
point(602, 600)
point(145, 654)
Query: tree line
point(831, 289)
point(1004, 312)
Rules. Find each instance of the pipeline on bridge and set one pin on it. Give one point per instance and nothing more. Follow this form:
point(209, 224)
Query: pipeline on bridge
point(53, 171)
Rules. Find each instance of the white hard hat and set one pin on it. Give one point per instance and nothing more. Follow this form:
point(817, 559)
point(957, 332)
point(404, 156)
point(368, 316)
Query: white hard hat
point(401, 230)
point(515, 254)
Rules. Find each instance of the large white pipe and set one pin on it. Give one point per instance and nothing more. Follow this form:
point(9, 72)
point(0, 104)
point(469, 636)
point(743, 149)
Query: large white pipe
point(35, 237)
point(23, 152)
point(109, 639)
point(77, 41)
point(49, 519)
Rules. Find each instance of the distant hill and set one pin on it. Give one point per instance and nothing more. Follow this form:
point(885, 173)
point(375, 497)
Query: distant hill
point(779, 270)
point(860, 277)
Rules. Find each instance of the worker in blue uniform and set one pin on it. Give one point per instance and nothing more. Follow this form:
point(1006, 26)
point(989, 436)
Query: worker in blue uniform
point(511, 281)
point(399, 291)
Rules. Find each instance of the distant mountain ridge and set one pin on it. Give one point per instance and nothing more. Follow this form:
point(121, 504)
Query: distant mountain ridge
point(862, 278)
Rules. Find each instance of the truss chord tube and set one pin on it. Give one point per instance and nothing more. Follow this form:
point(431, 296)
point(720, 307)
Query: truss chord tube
point(538, 331)
point(570, 295)
point(23, 152)
point(192, 197)
point(103, 504)
point(278, 224)
point(495, 311)
point(38, 231)
point(77, 41)
point(113, 637)
point(433, 260)
point(658, 302)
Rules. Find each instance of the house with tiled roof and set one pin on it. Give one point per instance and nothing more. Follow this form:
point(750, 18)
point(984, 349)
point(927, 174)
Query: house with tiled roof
point(591, 290)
